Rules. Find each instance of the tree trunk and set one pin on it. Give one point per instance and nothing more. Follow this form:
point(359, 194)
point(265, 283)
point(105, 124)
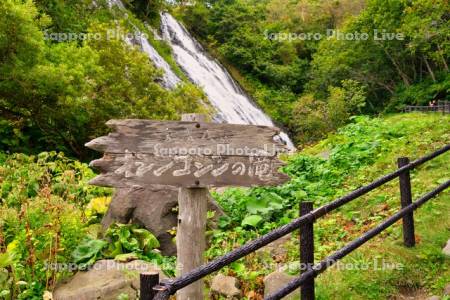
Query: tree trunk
point(443, 58)
point(429, 69)
point(403, 76)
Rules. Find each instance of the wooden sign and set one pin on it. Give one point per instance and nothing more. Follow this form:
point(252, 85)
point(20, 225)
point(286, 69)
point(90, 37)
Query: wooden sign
point(187, 154)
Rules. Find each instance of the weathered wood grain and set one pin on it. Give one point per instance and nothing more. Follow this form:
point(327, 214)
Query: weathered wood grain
point(126, 170)
point(187, 154)
point(168, 138)
point(191, 238)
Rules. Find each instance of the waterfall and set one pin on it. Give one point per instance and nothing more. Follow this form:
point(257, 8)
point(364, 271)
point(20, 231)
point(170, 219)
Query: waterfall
point(169, 78)
point(117, 3)
point(227, 97)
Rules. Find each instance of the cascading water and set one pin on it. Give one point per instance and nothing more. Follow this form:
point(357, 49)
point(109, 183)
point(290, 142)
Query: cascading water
point(232, 104)
point(169, 78)
point(230, 101)
point(118, 3)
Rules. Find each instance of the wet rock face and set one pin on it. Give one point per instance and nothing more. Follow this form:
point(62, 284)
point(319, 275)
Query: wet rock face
point(153, 208)
point(105, 280)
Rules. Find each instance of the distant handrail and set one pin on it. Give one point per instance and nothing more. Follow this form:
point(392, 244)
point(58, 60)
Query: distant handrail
point(171, 286)
point(441, 106)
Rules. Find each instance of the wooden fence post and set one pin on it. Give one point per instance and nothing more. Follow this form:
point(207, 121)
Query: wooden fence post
point(307, 251)
point(406, 199)
point(191, 244)
point(148, 280)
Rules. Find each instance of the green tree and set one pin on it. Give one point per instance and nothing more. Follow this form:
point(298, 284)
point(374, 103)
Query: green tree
point(63, 93)
point(385, 62)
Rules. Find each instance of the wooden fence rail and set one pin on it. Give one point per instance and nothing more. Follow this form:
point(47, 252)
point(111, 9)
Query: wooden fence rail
point(305, 223)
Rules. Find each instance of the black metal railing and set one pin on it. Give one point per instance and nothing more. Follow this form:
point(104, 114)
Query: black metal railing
point(164, 289)
point(353, 245)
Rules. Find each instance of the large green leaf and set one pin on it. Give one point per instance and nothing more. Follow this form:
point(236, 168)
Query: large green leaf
point(147, 241)
point(5, 259)
point(88, 251)
point(127, 238)
point(252, 220)
point(255, 205)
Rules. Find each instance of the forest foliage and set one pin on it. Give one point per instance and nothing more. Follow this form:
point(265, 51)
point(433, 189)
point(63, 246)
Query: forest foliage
point(57, 94)
point(293, 56)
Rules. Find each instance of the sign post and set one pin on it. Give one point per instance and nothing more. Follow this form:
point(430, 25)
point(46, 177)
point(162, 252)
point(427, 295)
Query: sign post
point(192, 155)
point(191, 243)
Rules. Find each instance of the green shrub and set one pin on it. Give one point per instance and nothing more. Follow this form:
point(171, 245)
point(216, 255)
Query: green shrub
point(42, 219)
point(421, 93)
point(58, 95)
point(314, 118)
point(339, 165)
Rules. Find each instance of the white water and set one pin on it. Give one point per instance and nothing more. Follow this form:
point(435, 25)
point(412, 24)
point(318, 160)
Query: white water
point(169, 78)
point(118, 3)
point(231, 102)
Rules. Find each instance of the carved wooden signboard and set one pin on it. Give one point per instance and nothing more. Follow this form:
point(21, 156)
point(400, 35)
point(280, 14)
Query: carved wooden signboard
point(187, 154)
point(192, 155)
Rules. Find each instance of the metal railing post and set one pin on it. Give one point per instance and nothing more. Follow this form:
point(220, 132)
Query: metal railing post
point(148, 281)
point(406, 199)
point(307, 251)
